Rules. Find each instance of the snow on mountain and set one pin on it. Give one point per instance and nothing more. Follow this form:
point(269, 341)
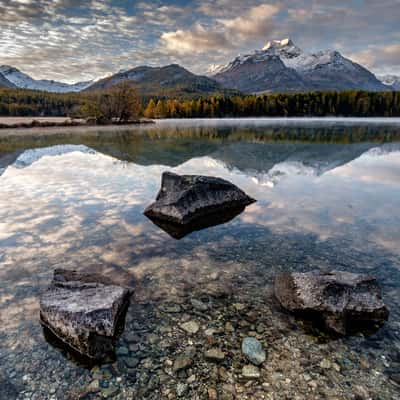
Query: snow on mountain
point(24, 81)
point(322, 70)
point(391, 80)
point(28, 157)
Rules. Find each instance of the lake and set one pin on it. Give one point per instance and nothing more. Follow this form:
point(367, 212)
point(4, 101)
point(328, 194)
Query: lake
point(328, 197)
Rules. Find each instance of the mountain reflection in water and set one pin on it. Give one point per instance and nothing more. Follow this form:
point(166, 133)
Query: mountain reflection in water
point(328, 198)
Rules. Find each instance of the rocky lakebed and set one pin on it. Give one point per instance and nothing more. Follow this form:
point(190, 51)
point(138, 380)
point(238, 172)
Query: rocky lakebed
point(272, 282)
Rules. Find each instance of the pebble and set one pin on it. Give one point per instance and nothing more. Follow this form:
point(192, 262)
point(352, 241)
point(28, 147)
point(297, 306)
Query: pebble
point(250, 372)
point(199, 305)
point(229, 327)
point(214, 354)
point(173, 309)
point(212, 394)
point(191, 327)
point(253, 350)
point(109, 391)
point(239, 306)
point(131, 362)
point(325, 364)
point(181, 363)
point(132, 337)
point(181, 389)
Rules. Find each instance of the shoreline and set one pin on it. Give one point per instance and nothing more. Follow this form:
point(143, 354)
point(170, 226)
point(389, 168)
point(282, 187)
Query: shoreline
point(56, 128)
point(46, 126)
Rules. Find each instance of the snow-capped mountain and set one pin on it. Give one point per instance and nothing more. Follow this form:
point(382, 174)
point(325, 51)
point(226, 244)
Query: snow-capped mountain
point(323, 70)
point(23, 81)
point(391, 80)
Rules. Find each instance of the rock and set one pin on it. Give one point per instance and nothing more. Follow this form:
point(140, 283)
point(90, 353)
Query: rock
point(191, 327)
point(84, 314)
point(182, 362)
point(214, 354)
point(173, 309)
point(131, 362)
point(190, 199)
point(212, 394)
point(325, 364)
point(239, 306)
point(229, 328)
point(340, 299)
point(250, 372)
point(109, 391)
point(253, 350)
point(198, 305)
point(181, 389)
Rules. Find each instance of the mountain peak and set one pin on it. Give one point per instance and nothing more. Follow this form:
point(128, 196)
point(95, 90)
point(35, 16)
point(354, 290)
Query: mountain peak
point(278, 44)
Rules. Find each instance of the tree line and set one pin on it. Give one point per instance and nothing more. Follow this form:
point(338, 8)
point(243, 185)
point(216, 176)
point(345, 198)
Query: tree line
point(317, 104)
point(122, 103)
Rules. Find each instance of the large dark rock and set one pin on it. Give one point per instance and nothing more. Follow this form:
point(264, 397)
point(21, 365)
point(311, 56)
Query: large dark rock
point(186, 199)
point(342, 300)
point(84, 311)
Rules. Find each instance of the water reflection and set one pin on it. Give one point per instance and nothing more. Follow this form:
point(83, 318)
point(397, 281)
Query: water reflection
point(179, 231)
point(320, 205)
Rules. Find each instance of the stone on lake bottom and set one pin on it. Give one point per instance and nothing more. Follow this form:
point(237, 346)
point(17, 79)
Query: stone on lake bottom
point(250, 372)
point(342, 300)
point(191, 327)
point(214, 354)
point(253, 350)
point(84, 311)
point(182, 362)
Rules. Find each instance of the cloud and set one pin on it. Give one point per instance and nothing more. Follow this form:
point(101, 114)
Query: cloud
point(225, 34)
point(385, 59)
point(258, 21)
point(197, 40)
point(72, 40)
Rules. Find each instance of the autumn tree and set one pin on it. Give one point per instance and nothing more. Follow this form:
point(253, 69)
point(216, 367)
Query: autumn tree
point(149, 112)
point(118, 104)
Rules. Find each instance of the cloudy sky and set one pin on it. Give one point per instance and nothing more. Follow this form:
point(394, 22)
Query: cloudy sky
point(72, 40)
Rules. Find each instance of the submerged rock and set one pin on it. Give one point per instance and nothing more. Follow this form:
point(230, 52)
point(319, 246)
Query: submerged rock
point(253, 350)
point(84, 311)
point(186, 200)
point(250, 372)
point(342, 300)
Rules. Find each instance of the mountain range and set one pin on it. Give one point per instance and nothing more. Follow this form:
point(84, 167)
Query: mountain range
point(13, 77)
point(280, 66)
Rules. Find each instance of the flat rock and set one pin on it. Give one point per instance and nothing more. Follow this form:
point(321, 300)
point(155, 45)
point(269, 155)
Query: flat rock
point(183, 199)
point(342, 300)
point(198, 305)
point(214, 354)
point(253, 350)
point(190, 327)
point(182, 362)
point(84, 311)
point(250, 372)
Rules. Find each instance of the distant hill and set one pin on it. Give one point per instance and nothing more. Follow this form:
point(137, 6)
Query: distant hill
point(169, 81)
point(18, 79)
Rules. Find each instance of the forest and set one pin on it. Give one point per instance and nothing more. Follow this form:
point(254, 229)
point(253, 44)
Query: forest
point(19, 102)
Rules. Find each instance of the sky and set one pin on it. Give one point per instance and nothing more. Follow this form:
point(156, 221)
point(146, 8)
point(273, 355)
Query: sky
point(71, 40)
